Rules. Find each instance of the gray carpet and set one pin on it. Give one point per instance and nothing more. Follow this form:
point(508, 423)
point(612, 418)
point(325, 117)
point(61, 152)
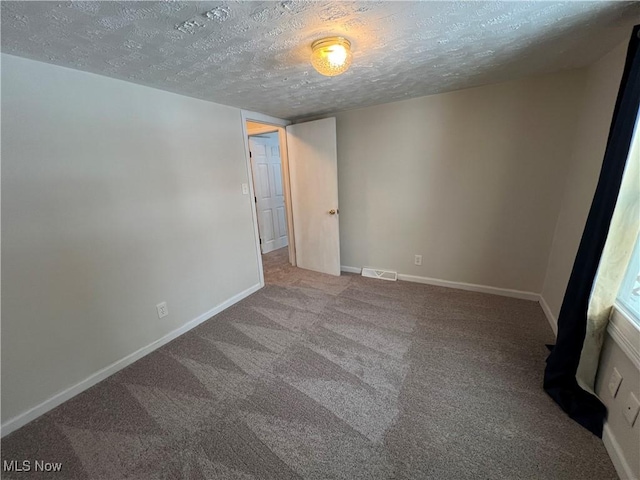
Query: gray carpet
point(325, 377)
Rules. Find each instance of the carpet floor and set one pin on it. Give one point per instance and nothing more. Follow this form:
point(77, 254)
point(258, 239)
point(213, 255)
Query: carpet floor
point(325, 377)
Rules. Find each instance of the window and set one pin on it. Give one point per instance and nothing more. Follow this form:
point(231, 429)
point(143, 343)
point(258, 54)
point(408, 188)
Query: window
point(629, 294)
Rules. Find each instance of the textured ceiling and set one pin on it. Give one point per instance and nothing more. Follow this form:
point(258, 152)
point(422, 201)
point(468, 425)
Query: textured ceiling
point(254, 55)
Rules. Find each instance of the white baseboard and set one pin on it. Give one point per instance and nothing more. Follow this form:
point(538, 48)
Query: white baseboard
point(505, 292)
point(615, 453)
point(344, 268)
point(61, 397)
point(553, 321)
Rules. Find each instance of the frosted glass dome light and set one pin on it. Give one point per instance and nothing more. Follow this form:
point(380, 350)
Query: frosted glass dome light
point(331, 56)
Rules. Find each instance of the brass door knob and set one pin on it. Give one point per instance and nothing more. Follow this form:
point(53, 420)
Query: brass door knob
point(332, 212)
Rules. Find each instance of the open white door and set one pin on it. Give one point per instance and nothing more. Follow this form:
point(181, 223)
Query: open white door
point(313, 170)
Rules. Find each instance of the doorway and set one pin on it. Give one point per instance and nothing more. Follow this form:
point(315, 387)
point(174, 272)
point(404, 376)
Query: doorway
point(296, 193)
point(269, 174)
point(266, 169)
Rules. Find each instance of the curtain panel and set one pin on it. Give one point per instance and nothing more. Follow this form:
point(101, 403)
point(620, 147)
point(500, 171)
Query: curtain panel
point(560, 380)
point(616, 255)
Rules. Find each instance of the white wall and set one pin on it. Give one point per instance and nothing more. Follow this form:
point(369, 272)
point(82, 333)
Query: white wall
point(115, 197)
point(472, 180)
point(602, 84)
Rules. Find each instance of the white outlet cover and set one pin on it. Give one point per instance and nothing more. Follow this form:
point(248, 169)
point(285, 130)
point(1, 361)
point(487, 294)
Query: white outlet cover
point(630, 408)
point(614, 382)
point(418, 259)
point(245, 189)
point(163, 310)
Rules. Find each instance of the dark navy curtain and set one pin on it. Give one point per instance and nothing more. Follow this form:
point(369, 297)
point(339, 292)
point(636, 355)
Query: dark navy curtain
point(560, 374)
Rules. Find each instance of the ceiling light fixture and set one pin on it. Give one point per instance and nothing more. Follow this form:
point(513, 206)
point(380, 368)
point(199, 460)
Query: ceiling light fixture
point(331, 56)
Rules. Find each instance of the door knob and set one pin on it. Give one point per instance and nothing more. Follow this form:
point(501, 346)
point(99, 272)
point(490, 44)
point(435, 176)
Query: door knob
point(332, 212)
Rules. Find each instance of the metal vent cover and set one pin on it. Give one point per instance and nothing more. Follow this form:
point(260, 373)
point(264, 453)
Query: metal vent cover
point(381, 274)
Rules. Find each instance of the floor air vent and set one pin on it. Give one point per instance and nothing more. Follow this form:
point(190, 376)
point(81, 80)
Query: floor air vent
point(381, 274)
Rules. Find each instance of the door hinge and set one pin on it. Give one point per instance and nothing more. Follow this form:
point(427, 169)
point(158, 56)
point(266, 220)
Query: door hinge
point(260, 241)
point(255, 199)
point(250, 154)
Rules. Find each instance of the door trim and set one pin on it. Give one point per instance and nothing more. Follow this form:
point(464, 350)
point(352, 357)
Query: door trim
point(278, 126)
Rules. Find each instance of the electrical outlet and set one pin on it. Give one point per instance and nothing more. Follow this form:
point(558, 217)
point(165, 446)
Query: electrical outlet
point(614, 382)
point(630, 408)
point(245, 189)
point(163, 310)
point(418, 260)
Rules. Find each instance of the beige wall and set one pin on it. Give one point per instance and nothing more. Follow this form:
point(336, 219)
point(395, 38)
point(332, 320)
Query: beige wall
point(472, 180)
point(254, 128)
point(603, 82)
point(115, 197)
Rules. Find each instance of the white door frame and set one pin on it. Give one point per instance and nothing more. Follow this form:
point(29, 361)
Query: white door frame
point(278, 126)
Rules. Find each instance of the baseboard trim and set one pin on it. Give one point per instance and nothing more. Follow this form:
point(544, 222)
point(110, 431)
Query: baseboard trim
point(472, 287)
point(615, 453)
point(61, 397)
point(346, 269)
point(551, 318)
